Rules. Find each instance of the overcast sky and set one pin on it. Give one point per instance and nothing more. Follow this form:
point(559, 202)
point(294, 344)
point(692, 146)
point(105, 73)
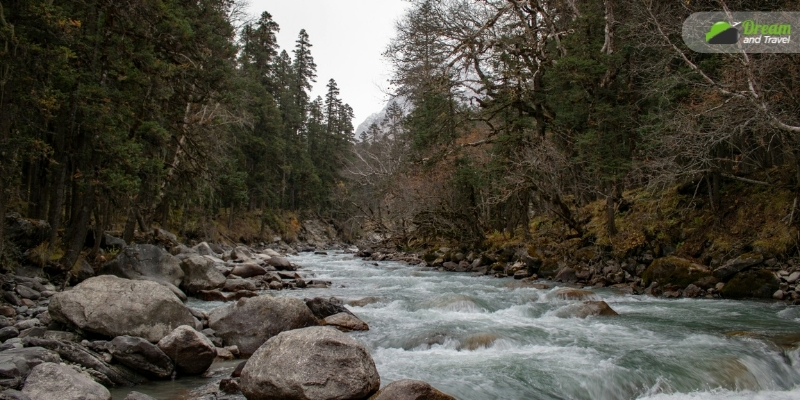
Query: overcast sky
point(348, 38)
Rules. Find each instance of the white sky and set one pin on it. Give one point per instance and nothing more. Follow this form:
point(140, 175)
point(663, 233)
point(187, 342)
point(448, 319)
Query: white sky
point(348, 38)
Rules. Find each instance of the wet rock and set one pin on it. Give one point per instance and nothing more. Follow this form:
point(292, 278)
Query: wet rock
point(138, 396)
point(323, 308)
point(145, 260)
point(575, 294)
point(248, 270)
point(738, 264)
point(475, 342)
point(587, 309)
point(751, 284)
point(249, 322)
point(141, 356)
point(362, 302)
point(674, 271)
point(191, 351)
point(229, 385)
point(407, 389)
point(310, 364)
point(288, 275)
point(281, 264)
point(692, 291)
point(50, 381)
point(237, 372)
point(16, 364)
point(200, 274)
point(113, 307)
point(213, 295)
point(275, 286)
point(346, 322)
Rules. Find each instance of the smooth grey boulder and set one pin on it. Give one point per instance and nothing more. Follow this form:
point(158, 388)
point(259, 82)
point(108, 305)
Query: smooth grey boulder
point(237, 284)
point(113, 307)
point(16, 364)
point(204, 250)
point(248, 270)
point(200, 274)
point(409, 389)
point(281, 264)
point(249, 322)
point(50, 381)
point(191, 351)
point(141, 356)
point(145, 260)
point(316, 363)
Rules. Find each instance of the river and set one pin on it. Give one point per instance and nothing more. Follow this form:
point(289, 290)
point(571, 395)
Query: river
point(485, 338)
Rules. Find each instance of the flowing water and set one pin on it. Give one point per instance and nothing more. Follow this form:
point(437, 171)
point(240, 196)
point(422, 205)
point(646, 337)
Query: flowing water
point(486, 338)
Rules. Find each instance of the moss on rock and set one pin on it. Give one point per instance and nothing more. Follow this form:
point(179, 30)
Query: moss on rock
point(751, 284)
point(674, 271)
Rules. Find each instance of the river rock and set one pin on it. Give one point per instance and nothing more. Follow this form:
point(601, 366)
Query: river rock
point(27, 293)
point(237, 284)
point(760, 284)
point(675, 271)
point(16, 364)
point(281, 264)
point(587, 309)
point(408, 389)
point(200, 274)
point(315, 363)
point(145, 260)
point(323, 308)
point(8, 333)
point(738, 264)
point(204, 249)
point(191, 351)
point(241, 253)
point(248, 270)
point(575, 294)
point(113, 307)
point(793, 278)
point(141, 356)
point(50, 381)
point(346, 322)
point(249, 322)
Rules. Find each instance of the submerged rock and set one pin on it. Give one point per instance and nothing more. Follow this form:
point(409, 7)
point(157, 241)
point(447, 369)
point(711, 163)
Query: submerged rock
point(315, 363)
point(113, 307)
point(408, 389)
point(587, 309)
point(50, 381)
point(249, 322)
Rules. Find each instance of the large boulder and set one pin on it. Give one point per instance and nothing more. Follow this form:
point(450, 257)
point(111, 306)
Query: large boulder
point(141, 356)
point(25, 233)
point(409, 389)
point(281, 264)
point(249, 322)
point(315, 363)
point(675, 271)
point(50, 381)
point(200, 274)
point(760, 284)
point(16, 364)
point(191, 351)
point(145, 260)
point(113, 306)
point(736, 265)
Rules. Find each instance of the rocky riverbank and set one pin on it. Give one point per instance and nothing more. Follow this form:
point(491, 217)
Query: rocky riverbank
point(750, 275)
point(125, 323)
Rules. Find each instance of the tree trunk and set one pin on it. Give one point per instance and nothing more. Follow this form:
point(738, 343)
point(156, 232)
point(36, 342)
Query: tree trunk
point(611, 225)
point(56, 204)
point(130, 225)
point(81, 228)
